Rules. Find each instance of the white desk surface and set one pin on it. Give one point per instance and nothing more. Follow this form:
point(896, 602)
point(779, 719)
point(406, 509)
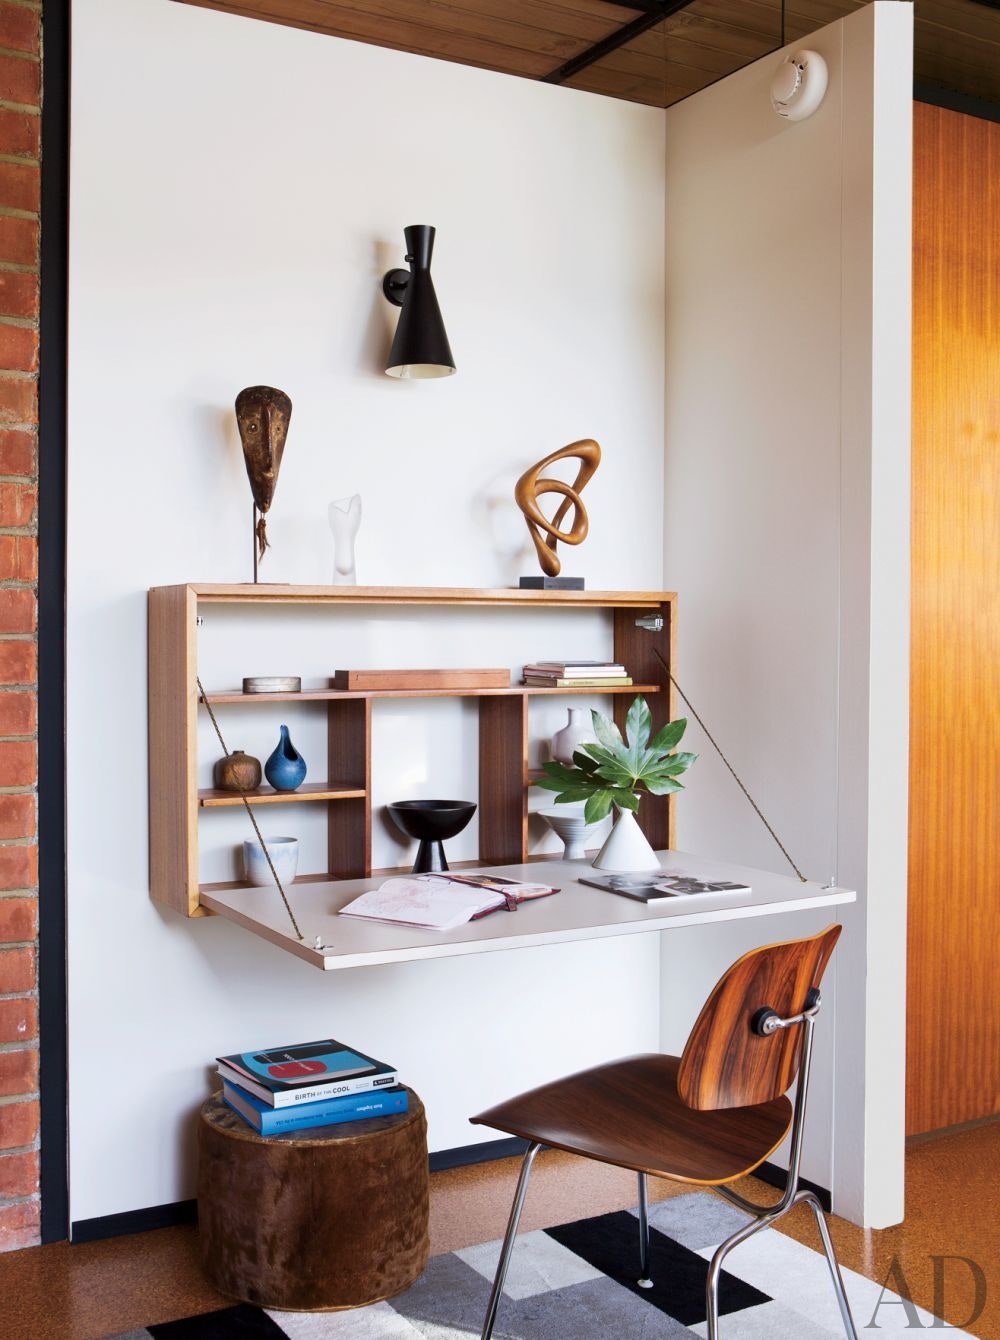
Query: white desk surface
point(576, 913)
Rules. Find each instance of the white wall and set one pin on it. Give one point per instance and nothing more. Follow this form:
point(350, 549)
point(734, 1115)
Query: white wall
point(238, 189)
point(786, 533)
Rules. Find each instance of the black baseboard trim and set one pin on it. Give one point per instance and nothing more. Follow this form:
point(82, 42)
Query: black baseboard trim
point(466, 1155)
point(186, 1211)
point(135, 1221)
point(777, 1177)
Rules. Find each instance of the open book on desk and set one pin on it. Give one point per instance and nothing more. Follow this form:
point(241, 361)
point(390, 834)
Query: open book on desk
point(442, 902)
point(667, 886)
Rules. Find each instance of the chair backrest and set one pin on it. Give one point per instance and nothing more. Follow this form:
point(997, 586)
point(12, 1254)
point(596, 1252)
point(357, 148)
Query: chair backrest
point(727, 1064)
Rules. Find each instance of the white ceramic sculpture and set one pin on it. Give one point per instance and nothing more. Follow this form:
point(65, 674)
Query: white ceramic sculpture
point(345, 519)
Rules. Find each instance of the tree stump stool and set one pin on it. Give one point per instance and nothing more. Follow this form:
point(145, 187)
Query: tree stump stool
point(313, 1220)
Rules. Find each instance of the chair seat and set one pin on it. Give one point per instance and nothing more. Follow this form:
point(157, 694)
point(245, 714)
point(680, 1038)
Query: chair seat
point(628, 1113)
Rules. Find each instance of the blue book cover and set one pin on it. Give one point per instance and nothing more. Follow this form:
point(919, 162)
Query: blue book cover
point(327, 1112)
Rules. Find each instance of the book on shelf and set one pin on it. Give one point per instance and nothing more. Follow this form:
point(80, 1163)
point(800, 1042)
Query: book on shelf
point(305, 1072)
point(575, 669)
point(443, 901)
point(269, 1120)
point(667, 887)
point(578, 682)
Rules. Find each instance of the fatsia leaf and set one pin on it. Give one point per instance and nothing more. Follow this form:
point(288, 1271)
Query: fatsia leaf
point(666, 767)
point(598, 806)
point(675, 763)
point(627, 800)
point(584, 761)
point(602, 755)
point(613, 775)
point(561, 772)
point(637, 727)
point(669, 735)
point(574, 794)
point(658, 785)
point(608, 764)
point(606, 731)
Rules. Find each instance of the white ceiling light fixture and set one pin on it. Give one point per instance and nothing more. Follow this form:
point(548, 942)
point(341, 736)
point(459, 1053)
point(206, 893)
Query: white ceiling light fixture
point(799, 85)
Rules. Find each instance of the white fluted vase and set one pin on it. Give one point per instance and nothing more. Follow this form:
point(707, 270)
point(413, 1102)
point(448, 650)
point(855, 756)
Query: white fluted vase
point(627, 848)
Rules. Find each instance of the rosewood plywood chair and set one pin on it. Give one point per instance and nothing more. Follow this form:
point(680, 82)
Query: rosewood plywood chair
point(707, 1117)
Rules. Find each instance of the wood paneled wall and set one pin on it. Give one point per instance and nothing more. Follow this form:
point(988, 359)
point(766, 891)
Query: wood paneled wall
point(953, 1030)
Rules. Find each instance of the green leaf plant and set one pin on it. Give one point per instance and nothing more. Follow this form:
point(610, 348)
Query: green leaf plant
point(617, 771)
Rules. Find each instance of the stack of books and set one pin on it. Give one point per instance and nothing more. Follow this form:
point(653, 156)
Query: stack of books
point(576, 674)
point(307, 1085)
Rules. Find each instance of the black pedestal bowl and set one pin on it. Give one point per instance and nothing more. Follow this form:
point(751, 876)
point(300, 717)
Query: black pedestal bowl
point(430, 822)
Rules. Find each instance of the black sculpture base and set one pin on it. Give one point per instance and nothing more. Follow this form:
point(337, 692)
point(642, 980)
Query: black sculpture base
point(430, 857)
point(430, 821)
point(551, 583)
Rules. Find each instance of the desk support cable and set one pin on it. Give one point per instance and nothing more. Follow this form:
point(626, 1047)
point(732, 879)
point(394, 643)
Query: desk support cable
point(711, 740)
point(253, 817)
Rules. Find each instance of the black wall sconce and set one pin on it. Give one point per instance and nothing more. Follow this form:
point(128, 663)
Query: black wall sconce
point(420, 347)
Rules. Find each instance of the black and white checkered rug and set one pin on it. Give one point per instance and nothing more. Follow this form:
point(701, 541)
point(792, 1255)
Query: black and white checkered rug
point(578, 1280)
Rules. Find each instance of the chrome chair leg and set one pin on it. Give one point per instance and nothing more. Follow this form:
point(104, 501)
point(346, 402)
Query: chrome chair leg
point(715, 1268)
point(764, 1220)
point(831, 1260)
point(508, 1242)
point(644, 1282)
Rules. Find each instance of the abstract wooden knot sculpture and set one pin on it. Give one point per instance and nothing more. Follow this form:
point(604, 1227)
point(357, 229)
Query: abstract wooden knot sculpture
point(546, 534)
point(262, 413)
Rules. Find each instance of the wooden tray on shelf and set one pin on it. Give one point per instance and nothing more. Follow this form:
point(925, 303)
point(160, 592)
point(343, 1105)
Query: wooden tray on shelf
point(421, 679)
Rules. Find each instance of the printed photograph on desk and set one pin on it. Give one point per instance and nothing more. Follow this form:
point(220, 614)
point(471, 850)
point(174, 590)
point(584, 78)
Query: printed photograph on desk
point(443, 901)
point(668, 886)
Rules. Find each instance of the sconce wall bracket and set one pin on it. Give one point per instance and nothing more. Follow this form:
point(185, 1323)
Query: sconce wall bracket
point(394, 284)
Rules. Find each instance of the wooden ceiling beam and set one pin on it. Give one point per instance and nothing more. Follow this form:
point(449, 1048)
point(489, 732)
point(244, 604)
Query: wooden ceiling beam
point(649, 19)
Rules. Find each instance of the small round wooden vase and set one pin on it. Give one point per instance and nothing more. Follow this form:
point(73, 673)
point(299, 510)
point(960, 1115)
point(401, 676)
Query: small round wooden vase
point(237, 772)
point(313, 1220)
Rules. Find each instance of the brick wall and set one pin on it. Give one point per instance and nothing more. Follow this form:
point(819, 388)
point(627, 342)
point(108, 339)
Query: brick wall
point(20, 97)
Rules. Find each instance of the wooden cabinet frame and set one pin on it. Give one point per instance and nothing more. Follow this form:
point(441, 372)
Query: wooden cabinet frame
point(643, 623)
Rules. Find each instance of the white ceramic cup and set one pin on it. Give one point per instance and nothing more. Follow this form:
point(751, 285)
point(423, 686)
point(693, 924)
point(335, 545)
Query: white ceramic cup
point(284, 853)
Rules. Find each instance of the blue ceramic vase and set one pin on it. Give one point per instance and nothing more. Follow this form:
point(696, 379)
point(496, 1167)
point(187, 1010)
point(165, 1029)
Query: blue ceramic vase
point(286, 768)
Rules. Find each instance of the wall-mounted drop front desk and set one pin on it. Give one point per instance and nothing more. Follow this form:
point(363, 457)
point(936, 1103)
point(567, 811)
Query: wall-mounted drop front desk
point(577, 912)
point(638, 629)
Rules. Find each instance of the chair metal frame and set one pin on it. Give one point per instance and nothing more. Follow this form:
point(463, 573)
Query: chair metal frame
point(765, 1022)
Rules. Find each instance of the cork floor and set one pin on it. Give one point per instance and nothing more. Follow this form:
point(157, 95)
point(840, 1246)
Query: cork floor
point(90, 1291)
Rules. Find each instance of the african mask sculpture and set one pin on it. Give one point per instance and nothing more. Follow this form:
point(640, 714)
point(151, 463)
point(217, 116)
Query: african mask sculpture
point(544, 533)
point(262, 414)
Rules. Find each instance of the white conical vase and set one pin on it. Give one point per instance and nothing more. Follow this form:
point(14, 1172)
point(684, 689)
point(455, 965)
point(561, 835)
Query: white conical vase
point(627, 848)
